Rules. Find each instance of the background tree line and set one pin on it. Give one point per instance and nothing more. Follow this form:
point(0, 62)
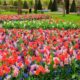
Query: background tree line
point(38, 5)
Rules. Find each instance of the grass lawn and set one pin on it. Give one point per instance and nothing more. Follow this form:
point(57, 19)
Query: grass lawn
point(7, 12)
point(70, 17)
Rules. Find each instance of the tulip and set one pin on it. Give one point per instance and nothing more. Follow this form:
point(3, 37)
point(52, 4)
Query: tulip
point(35, 51)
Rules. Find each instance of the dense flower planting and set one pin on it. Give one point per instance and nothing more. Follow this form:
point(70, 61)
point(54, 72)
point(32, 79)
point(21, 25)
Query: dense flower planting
point(43, 54)
point(35, 24)
point(23, 17)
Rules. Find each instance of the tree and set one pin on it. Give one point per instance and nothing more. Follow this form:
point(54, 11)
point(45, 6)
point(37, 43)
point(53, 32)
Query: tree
point(58, 1)
point(46, 3)
point(25, 5)
point(63, 3)
point(39, 5)
point(73, 7)
point(31, 3)
point(67, 6)
point(15, 3)
point(19, 7)
point(35, 7)
point(78, 7)
point(54, 6)
point(11, 2)
point(0, 2)
point(5, 4)
point(50, 4)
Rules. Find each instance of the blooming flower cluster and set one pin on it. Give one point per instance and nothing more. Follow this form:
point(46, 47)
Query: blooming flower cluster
point(34, 52)
point(23, 17)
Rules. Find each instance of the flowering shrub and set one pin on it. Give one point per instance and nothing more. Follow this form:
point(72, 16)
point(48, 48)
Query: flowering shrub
point(23, 17)
point(35, 24)
point(39, 54)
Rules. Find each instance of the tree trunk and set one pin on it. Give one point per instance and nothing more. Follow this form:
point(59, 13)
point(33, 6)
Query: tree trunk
point(63, 2)
point(78, 7)
point(67, 6)
point(19, 7)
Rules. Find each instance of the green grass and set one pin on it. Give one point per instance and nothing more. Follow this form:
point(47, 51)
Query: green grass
point(7, 12)
point(70, 17)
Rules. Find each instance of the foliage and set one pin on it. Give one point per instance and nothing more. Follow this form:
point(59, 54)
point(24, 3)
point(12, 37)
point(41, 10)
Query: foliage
point(5, 3)
point(35, 24)
point(54, 6)
point(25, 5)
point(35, 7)
point(0, 3)
point(31, 3)
point(50, 4)
point(15, 3)
point(73, 7)
point(39, 5)
point(67, 6)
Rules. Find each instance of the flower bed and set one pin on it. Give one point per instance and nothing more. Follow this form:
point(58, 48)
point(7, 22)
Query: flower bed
point(23, 17)
point(35, 24)
point(39, 54)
